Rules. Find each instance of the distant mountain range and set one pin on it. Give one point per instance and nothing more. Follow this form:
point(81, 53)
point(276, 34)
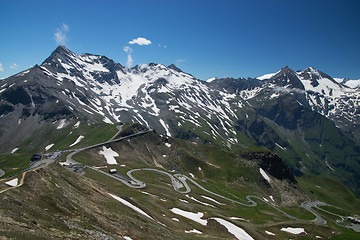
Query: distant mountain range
point(308, 118)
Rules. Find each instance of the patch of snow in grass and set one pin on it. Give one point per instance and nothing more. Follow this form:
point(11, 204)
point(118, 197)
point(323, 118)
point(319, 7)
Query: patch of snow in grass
point(263, 173)
point(77, 124)
point(269, 233)
point(77, 140)
point(193, 231)
point(61, 124)
point(192, 175)
point(14, 150)
point(168, 145)
point(184, 201)
point(318, 237)
point(238, 232)
point(128, 204)
point(127, 238)
point(194, 199)
point(265, 199)
point(13, 182)
point(272, 199)
point(293, 230)
point(200, 169)
point(175, 219)
point(110, 155)
point(48, 147)
point(190, 215)
point(238, 218)
point(213, 200)
point(164, 156)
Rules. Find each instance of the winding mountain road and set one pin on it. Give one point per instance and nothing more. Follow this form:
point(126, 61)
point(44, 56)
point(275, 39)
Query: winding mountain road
point(179, 181)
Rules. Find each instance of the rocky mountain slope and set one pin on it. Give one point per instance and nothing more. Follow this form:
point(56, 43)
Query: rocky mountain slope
point(306, 117)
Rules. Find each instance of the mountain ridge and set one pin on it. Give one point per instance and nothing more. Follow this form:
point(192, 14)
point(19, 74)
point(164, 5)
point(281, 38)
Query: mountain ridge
point(279, 113)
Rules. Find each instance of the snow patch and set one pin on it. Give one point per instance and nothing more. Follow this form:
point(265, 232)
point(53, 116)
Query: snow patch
point(128, 204)
point(265, 176)
point(198, 201)
point(49, 146)
point(196, 217)
point(127, 238)
point(14, 150)
point(193, 231)
point(213, 200)
point(109, 154)
point(293, 230)
point(192, 175)
point(166, 127)
point(211, 79)
point(77, 140)
point(13, 182)
point(61, 124)
point(269, 233)
point(238, 232)
point(238, 218)
point(168, 145)
point(77, 124)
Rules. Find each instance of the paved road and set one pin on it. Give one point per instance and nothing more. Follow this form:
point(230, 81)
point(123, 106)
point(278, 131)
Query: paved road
point(309, 205)
point(179, 181)
point(119, 127)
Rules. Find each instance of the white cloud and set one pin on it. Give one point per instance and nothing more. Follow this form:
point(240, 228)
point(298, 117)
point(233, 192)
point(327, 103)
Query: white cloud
point(128, 49)
point(60, 34)
point(130, 60)
point(178, 61)
point(140, 41)
point(1, 67)
point(163, 46)
point(14, 66)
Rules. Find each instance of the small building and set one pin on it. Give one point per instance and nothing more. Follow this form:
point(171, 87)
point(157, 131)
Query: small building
point(112, 171)
point(36, 157)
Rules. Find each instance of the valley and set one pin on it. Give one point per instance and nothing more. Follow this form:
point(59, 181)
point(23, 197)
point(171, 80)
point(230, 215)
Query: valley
point(196, 195)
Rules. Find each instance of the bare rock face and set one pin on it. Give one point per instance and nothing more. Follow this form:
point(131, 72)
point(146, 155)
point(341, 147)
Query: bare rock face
point(272, 164)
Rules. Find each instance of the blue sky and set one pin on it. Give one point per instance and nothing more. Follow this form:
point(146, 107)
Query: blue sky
point(203, 37)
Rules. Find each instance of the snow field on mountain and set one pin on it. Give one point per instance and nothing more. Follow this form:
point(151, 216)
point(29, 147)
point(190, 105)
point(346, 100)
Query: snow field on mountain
point(196, 217)
point(14, 150)
point(61, 124)
point(265, 176)
point(109, 155)
point(198, 201)
point(49, 146)
point(166, 127)
point(128, 204)
point(238, 232)
point(293, 230)
point(13, 182)
point(193, 231)
point(269, 233)
point(213, 200)
point(77, 141)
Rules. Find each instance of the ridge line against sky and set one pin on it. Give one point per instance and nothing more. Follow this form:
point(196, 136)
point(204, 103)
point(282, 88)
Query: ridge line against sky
point(228, 38)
